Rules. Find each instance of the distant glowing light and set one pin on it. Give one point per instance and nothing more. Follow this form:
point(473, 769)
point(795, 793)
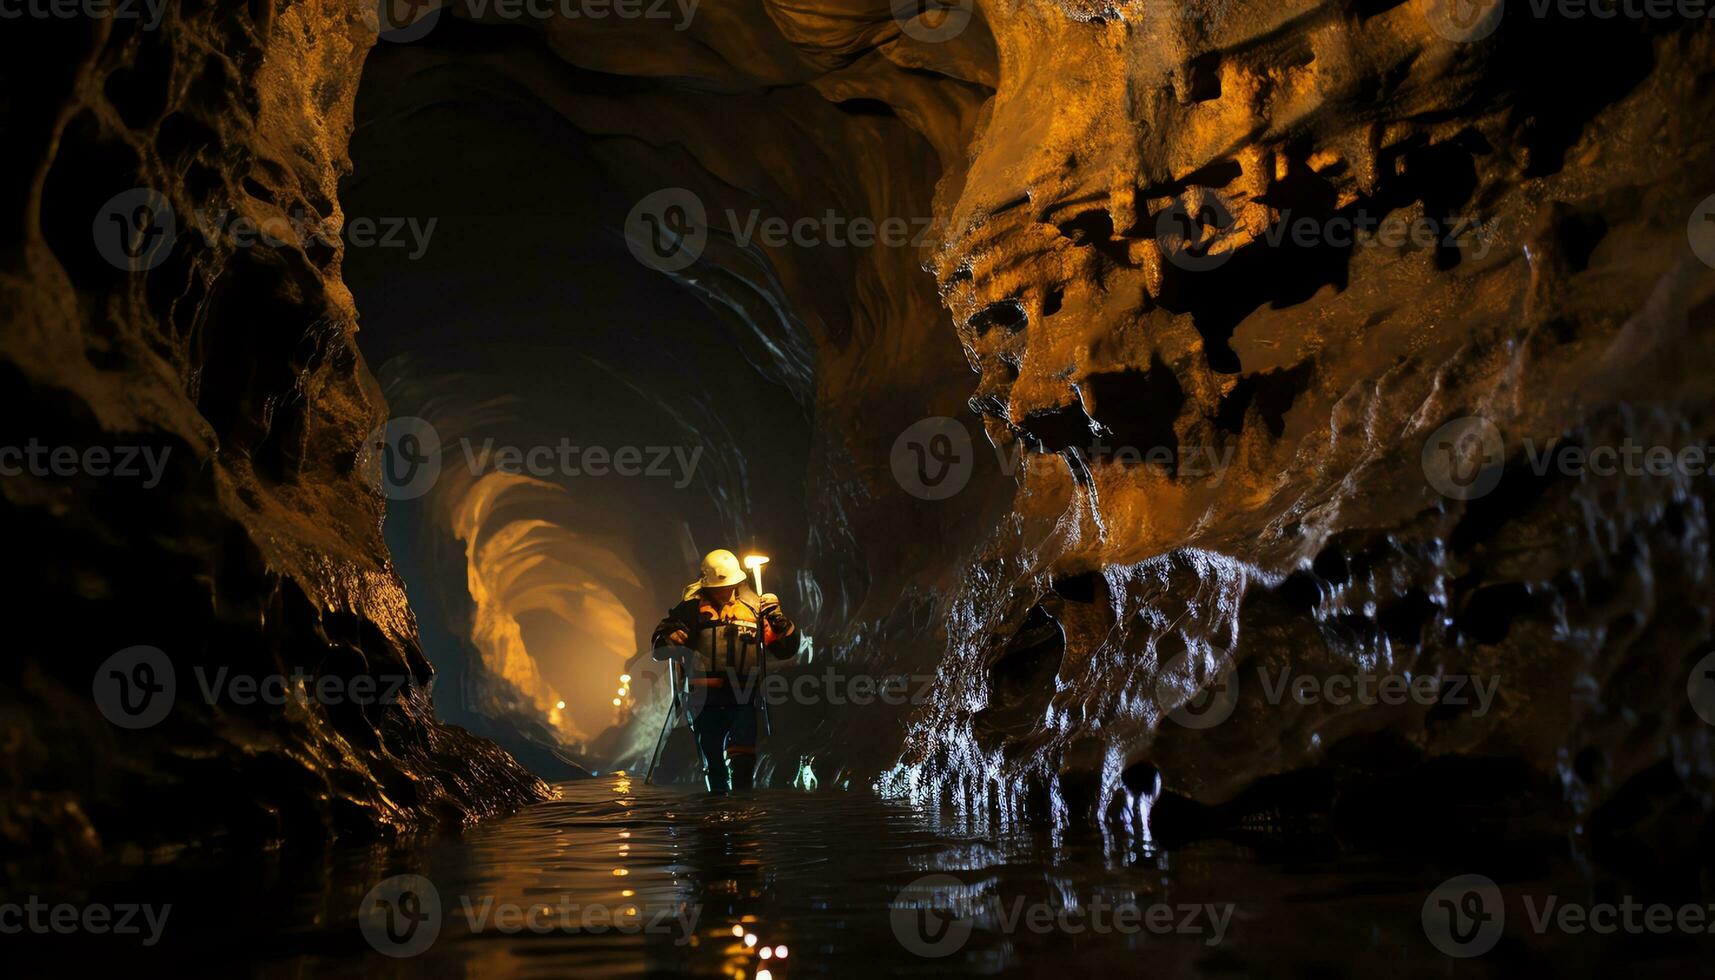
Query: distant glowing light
point(750, 939)
point(764, 975)
point(620, 872)
point(616, 702)
point(738, 931)
point(780, 952)
point(625, 678)
point(560, 705)
point(765, 952)
point(626, 893)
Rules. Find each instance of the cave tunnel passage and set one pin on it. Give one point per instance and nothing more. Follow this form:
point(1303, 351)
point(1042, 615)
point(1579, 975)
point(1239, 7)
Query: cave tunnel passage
point(522, 330)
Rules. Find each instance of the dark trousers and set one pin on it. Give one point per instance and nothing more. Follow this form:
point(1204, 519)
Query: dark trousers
point(730, 729)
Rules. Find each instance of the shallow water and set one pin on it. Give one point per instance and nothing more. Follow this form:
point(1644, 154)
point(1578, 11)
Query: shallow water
point(838, 880)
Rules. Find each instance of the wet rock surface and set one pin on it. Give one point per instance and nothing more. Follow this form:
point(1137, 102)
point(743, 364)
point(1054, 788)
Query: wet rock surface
point(253, 549)
point(1209, 406)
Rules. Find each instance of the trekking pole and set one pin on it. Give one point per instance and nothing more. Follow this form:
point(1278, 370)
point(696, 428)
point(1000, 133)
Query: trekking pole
point(666, 723)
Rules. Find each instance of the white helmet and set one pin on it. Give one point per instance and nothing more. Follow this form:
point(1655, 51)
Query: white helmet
point(720, 567)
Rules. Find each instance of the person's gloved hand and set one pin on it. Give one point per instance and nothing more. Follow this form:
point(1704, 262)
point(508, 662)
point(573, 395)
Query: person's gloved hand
point(671, 641)
point(768, 606)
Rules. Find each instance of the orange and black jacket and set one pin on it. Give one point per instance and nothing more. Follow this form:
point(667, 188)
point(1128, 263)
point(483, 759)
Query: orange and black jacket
point(725, 640)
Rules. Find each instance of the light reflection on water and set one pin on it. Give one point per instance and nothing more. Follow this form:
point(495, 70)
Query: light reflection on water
point(681, 883)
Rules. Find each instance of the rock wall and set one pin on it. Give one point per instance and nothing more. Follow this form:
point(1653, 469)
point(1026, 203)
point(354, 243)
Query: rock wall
point(254, 546)
point(1129, 273)
point(1216, 416)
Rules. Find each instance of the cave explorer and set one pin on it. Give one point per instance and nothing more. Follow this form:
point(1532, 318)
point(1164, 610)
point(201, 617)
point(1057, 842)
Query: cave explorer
point(714, 629)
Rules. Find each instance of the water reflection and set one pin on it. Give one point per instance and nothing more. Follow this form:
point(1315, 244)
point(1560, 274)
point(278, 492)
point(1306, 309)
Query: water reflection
point(616, 878)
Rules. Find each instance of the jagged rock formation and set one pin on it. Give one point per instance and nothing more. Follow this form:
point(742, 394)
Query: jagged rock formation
point(1209, 427)
point(1123, 273)
point(1128, 269)
point(256, 547)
